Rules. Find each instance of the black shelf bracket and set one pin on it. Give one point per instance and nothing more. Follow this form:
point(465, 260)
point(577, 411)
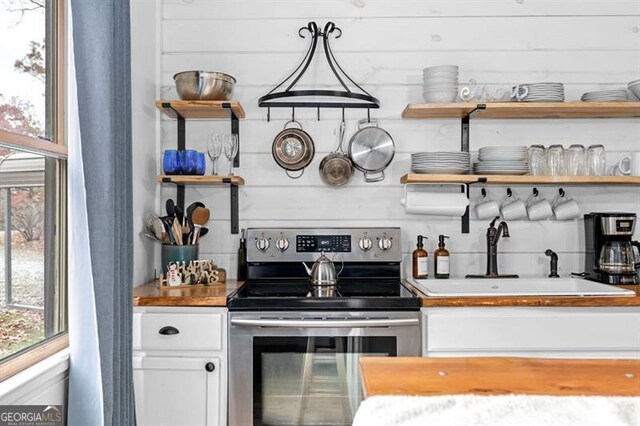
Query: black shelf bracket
point(235, 130)
point(235, 227)
point(464, 142)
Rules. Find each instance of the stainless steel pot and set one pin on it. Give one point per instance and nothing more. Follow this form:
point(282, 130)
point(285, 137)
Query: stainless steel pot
point(204, 85)
point(371, 149)
point(336, 169)
point(293, 149)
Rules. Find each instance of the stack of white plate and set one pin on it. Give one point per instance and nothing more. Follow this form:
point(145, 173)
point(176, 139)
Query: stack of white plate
point(440, 84)
point(506, 160)
point(634, 87)
point(446, 162)
point(539, 92)
point(620, 95)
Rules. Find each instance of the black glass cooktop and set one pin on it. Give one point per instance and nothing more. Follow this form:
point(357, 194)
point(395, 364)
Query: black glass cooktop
point(350, 294)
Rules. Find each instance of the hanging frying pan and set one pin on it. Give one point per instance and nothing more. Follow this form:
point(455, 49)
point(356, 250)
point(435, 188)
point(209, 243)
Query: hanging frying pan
point(336, 169)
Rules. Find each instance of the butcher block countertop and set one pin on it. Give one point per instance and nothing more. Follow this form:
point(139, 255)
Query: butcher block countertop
point(494, 376)
point(559, 301)
point(214, 295)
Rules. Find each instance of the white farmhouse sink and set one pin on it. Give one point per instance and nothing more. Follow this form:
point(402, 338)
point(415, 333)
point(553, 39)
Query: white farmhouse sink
point(517, 287)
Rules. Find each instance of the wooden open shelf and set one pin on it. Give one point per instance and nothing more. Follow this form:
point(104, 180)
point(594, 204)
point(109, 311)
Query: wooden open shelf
point(200, 180)
point(526, 110)
point(520, 179)
point(200, 109)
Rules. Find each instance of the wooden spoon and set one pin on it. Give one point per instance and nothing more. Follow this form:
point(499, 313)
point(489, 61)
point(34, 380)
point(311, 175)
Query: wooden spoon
point(177, 231)
point(200, 216)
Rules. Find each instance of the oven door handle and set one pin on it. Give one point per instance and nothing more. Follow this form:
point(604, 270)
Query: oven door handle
point(327, 323)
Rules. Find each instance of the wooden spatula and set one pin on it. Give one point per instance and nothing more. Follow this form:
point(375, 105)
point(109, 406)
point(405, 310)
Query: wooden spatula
point(199, 217)
point(177, 231)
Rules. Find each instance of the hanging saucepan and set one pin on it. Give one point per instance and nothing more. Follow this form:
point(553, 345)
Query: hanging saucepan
point(371, 149)
point(293, 149)
point(336, 169)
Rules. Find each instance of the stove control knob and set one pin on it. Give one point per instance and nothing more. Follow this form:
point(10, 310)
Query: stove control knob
point(262, 244)
point(282, 243)
point(365, 243)
point(385, 243)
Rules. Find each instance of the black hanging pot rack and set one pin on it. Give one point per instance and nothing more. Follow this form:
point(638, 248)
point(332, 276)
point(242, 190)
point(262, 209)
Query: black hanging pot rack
point(347, 98)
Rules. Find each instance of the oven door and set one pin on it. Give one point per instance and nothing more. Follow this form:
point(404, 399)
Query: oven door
point(302, 368)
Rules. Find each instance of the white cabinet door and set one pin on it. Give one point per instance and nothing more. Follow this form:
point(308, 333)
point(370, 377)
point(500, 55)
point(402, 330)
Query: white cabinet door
point(175, 391)
point(601, 332)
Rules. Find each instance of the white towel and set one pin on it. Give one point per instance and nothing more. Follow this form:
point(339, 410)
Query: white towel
point(498, 410)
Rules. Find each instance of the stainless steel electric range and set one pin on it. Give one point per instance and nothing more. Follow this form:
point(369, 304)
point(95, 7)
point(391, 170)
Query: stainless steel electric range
point(293, 351)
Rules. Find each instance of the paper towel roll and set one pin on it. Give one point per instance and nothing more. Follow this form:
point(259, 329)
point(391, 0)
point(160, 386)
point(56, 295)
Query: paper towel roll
point(435, 203)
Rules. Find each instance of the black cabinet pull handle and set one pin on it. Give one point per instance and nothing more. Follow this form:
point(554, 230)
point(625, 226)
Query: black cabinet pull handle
point(169, 331)
point(210, 367)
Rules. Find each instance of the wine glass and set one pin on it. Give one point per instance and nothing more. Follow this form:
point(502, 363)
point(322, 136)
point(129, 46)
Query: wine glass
point(230, 149)
point(214, 149)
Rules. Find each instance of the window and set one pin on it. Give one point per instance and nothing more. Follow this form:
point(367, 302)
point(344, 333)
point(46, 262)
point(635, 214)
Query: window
point(33, 314)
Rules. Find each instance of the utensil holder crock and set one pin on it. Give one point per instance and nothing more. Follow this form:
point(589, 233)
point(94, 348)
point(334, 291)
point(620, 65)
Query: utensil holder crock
point(171, 253)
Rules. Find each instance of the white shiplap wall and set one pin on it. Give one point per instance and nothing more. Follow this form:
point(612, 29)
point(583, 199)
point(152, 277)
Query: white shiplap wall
point(385, 44)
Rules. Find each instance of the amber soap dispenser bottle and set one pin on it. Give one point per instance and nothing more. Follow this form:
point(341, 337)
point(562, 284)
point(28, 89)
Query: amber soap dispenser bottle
point(420, 260)
point(441, 259)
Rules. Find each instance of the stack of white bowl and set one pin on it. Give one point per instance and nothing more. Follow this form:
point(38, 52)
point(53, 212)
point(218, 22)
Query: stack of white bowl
point(615, 95)
point(440, 84)
point(505, 160)
point(634, 87)
point(445, 162)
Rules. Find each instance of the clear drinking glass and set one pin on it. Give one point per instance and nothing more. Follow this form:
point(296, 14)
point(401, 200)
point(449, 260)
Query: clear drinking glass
point(230, 149)
point(596, 160)
point(214, 149)
point(576, 160)
point(555, 160)
point(537, 160)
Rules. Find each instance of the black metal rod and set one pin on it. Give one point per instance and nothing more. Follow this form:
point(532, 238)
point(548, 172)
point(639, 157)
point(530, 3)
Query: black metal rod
point(337, 64)
point(327, 53)
point(235, 227)
point(182, 133)
point(371, 102)
point(307, 59)
point(464, 143)
point(465, 217)
point(235, 130)
point(180, 196)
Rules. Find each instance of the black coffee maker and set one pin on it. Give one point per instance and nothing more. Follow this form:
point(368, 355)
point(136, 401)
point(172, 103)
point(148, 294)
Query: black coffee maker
point(610, 255)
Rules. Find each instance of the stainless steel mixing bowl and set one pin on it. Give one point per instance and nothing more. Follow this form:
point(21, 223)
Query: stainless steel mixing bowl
point(204, 85)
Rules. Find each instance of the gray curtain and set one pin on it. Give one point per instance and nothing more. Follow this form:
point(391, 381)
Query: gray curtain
point(101, 384)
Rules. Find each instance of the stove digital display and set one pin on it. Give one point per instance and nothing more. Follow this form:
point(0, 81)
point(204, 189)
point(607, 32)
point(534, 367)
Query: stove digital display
point(328, 243)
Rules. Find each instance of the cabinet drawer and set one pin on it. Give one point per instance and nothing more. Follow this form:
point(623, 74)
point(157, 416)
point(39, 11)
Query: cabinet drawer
point(178, 330)
point(532, 329)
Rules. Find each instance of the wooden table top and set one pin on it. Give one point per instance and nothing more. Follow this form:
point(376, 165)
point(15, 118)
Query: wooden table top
point(215, 295)
point(494, 376)
point(558, 301)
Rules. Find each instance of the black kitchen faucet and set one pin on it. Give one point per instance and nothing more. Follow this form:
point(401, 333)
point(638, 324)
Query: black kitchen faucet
point(493, 236)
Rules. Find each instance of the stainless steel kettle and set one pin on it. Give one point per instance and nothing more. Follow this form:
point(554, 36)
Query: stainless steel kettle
point(323, 272)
